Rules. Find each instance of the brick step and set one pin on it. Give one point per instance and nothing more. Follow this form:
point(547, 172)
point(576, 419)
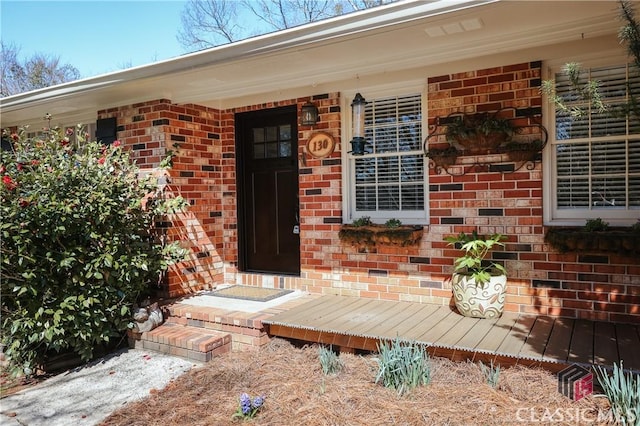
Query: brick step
point(194, 343)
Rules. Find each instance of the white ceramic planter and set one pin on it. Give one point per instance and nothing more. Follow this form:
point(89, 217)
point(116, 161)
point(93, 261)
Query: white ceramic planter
point(479, 301)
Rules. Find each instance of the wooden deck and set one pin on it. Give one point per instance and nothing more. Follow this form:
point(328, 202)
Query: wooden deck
point(552, 343)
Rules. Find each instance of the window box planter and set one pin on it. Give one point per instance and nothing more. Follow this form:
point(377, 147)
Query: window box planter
point(374, 235)
point(623, 241)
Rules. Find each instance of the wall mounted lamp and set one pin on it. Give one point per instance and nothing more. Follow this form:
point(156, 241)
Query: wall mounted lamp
point(357, 111)
point(309, 114)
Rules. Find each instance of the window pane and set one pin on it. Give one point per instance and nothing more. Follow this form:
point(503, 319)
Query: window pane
point(389, 197)
point(572, 159)
point(608, 192)
point(609, 157)
point(634, 192)
point(412, 168)
point(258, 151)
point(385, 140)
point(285, 132)
point(634, 156)
point(258, 135)
point(272, 150)
point(365, 170)
point(285, 149)
point(573, 193)
point(412, 197)
point(271, 134)
point(388, 168)
point(366, 198)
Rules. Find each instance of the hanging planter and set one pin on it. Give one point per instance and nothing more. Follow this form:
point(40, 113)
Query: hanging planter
point(519, 151)
point(444, 157)
point(479, 133)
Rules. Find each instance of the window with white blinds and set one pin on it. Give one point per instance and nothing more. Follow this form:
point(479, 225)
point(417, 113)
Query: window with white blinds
point(389, 180)
point(597, 154)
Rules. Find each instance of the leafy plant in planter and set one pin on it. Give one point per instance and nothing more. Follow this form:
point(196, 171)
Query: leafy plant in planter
point(479, 133)
point(478, 285)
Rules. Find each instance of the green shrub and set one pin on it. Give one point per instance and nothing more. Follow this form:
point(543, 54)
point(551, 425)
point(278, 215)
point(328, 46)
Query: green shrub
point(403, 366)
point(77, 244)
point(329, 361)
point(623, 392)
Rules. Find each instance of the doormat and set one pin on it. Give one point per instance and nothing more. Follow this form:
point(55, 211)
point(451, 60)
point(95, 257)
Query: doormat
point(243, 292)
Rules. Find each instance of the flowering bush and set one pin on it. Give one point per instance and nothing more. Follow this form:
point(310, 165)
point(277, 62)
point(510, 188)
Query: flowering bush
point(77, 244)
point(248, 408)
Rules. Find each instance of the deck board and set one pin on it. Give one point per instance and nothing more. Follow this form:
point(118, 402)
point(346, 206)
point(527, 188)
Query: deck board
point(497, 334)
point(424, 314)
point(559, 340)
point(456, 333)
point(554, 343)
point(477, 333)
point(423, 328)
point(538, 337)
point(371, 326)
point(604, 342)
point(445, 325)
point(323, 313)
point(581, 349)
point(515, 339)
point(628, 344)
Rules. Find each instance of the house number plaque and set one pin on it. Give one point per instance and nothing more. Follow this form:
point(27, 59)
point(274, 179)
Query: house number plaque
point(321, 145)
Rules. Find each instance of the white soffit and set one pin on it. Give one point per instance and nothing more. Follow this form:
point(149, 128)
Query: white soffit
point(400, 36)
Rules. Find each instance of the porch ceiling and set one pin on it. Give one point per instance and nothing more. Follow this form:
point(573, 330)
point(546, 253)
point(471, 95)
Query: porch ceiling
point(401, 36)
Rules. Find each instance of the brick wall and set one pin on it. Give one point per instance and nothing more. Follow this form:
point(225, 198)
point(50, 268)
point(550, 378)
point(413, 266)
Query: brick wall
point(150, 130)
point(502, 198)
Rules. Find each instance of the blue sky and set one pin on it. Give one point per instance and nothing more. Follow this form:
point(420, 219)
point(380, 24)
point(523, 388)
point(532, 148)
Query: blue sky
point(94, 36)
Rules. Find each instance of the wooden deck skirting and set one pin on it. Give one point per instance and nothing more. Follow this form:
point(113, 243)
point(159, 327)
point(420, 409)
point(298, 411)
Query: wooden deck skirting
point(552, 343)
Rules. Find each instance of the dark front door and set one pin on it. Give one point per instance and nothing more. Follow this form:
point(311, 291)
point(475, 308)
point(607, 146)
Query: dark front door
point(267, 143)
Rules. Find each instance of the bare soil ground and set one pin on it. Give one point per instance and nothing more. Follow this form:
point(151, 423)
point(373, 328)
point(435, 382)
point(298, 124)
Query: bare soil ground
point(298, 393)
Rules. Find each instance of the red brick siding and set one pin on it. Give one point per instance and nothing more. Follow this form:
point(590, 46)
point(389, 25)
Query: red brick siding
point(150, 130)
point(541, 281)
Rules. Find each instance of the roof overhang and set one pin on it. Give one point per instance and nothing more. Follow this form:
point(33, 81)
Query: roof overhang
point(322, 56)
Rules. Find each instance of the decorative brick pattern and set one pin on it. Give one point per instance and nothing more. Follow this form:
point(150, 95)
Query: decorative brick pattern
point(499, 199)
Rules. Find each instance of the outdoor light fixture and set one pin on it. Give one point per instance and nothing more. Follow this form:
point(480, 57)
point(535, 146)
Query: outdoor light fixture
point(309, 114)
point(357, 110)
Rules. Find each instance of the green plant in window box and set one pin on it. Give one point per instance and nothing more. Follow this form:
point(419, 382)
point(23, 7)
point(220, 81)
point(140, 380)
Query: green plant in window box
point(393, 223)
point(596, 236)
point(478, 284)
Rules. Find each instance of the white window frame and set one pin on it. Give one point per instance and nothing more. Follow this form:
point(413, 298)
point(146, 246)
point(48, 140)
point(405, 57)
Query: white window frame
point(553, 216)
point(417, 217)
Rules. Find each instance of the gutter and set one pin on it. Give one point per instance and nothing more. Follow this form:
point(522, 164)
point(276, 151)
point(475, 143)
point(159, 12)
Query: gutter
point(343, 26)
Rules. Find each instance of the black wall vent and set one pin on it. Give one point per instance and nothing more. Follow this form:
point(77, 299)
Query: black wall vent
point(106, 131)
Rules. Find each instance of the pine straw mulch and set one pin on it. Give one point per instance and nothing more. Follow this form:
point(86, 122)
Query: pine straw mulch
point(298, 393)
